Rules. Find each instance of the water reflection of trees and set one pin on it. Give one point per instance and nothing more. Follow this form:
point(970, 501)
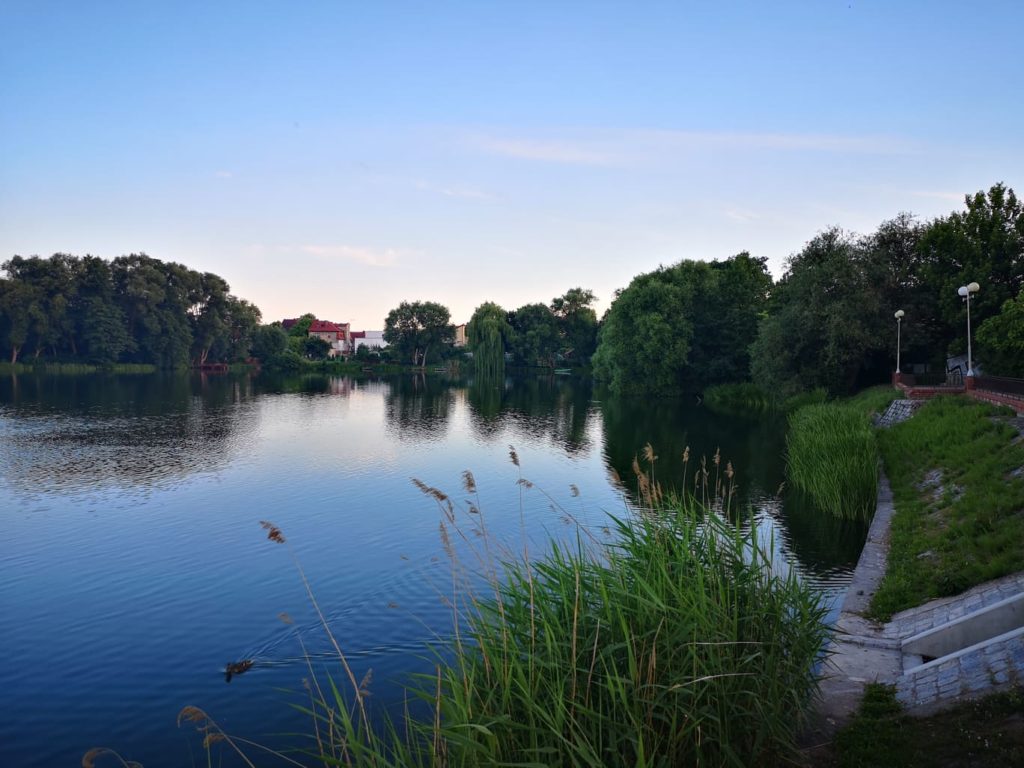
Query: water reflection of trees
point(671, 425)
point(65, 433)
point(417, 408)
point(540, 408)
point(756, 449)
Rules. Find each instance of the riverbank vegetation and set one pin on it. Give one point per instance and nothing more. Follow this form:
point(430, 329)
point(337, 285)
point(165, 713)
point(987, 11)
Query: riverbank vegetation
point(957, 475)
point(681, 643)
point(832, 456)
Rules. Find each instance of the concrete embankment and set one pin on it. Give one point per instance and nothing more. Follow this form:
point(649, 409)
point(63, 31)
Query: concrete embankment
point(936, 655)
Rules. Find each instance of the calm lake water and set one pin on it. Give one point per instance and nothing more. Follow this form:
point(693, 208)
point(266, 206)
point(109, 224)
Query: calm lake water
point(133, 565)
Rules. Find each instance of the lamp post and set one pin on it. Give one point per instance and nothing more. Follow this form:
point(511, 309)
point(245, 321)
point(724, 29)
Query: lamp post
point(899, 321)
point(965, 292)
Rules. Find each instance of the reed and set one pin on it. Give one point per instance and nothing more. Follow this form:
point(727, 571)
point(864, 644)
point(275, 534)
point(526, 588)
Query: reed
point(739, 399)
point(681, 642)
point(832, 456)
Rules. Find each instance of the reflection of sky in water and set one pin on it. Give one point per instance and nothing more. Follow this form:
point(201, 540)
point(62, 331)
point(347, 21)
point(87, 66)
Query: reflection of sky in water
point(133, 567)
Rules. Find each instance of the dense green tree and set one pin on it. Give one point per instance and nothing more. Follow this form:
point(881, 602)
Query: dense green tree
point(316, 348)
point(488, 334)
point(418, 328)
point(135, 308)
point(732, 300)
point(683, 327)
point(300, 329)
point(209, 316)
point(269, 341)
point(535, 338)
point(101, 334)
point(19, 305)
point(1001, 340)
point(577, 324)
point(644, 343)
point(984, 243)
point(823, 321)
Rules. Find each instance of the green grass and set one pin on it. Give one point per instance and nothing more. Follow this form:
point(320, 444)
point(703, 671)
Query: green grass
point(831, 455)
point(985, 734)
point(681, 643)
point(958, 486)
point(873, 400)
point(739, 399)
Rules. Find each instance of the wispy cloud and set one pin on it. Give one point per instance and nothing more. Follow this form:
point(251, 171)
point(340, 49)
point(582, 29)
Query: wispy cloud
point(579, 152)
point(462, 192)
point(739, 214)
point(224, 174)
point(956, 197)
point(374, 257)
point(643, 147)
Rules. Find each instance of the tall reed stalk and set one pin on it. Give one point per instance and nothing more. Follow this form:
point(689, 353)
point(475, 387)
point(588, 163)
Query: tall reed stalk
point(681, 643)
point(833, 457)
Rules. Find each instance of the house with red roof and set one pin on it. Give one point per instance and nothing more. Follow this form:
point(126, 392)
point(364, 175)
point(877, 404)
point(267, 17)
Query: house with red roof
point(337, 335)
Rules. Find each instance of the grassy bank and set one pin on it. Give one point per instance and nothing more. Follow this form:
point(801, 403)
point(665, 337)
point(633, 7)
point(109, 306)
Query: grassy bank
point(983, 734)
point(832, 455)
point(680, 644)
point(746, 399)
point(958, 484)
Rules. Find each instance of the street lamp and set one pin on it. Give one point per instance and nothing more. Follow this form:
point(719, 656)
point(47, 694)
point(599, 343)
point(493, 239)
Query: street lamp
point(899, 320)
point(965, 292)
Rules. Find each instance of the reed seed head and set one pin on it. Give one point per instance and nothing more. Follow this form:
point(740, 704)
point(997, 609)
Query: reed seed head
point(468, 481)
point(513, 455)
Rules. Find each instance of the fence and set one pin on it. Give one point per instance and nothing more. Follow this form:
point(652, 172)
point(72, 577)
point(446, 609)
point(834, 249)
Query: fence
point(1001, 384)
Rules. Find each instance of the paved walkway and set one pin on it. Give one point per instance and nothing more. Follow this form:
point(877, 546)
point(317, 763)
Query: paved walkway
point(864, 651)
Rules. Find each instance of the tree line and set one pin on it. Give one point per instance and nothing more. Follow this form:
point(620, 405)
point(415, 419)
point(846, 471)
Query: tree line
point(134, 309)
point(827, 322)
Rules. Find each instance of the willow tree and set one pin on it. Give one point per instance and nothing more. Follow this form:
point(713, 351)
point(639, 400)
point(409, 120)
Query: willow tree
point(487, 334)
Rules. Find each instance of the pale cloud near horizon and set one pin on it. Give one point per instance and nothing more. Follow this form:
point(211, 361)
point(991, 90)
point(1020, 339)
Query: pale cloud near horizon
point(635, 147)
point(357, 254)
point(224, 174)
point(373, 257)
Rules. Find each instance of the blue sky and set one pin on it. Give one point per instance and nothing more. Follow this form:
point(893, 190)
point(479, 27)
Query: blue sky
point(341, 157)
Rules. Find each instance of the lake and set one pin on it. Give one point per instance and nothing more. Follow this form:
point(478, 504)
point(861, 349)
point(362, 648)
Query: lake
point(133, 566)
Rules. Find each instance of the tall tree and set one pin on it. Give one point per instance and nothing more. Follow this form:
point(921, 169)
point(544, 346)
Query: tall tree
point(823, 322)
point(577, 324)
point(19, 304)
point(488, 334)
point(417, 328)
point(984, 243)
point(645, 338)
point(534, 339)
point(683, 327)
point(1001, 340)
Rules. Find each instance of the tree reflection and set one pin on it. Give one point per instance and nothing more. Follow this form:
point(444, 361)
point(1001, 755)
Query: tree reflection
point(756, 449)
point(538, 408)
point(418, 407)
point(70, 432)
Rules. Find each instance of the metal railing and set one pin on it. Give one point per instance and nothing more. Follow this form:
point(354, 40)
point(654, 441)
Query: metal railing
point(1001, 384)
